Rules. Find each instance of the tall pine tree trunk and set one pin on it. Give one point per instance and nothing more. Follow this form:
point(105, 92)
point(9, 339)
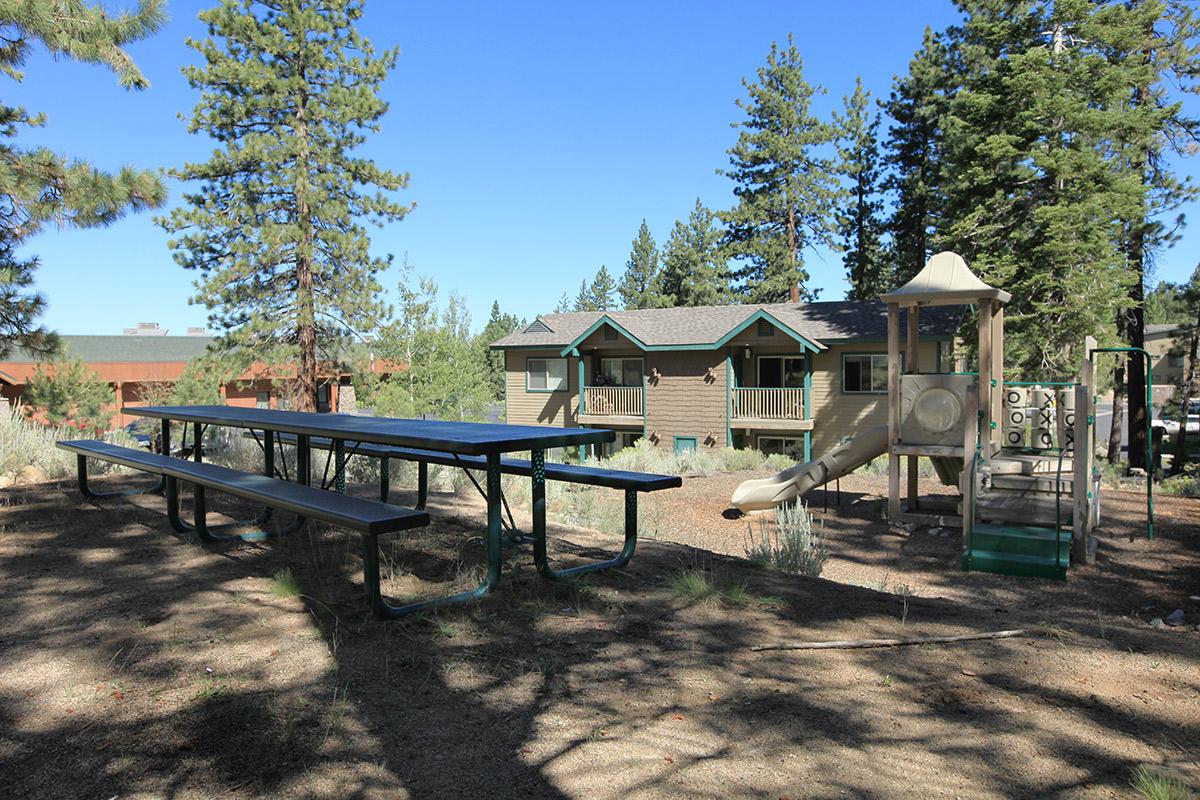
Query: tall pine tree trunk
point(1118, 399)
point(1136, 336)
point(306, 377)
point(1188, 391)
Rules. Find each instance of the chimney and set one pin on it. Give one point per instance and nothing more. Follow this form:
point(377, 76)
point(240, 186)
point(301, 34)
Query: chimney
point(794, 294)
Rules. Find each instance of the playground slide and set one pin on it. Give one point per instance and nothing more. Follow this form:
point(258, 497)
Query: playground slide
point(848, 456)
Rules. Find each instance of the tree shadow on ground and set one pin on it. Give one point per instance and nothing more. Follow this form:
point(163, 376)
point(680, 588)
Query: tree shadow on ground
point(134, 662)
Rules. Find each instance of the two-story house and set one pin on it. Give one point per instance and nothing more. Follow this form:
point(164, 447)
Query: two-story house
point(783, 378)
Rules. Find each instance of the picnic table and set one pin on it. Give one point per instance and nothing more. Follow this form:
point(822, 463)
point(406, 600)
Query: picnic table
point(470, 445)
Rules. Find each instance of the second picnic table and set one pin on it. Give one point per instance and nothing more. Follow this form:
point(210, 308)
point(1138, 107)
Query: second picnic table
point(469, 439)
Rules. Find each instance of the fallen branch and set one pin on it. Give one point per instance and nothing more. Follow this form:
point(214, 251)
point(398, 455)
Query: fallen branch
point(849, 644)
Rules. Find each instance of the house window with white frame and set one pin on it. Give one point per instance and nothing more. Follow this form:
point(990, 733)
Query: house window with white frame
point(546, 374)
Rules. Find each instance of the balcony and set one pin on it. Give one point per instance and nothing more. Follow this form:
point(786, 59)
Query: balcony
point(612, 405)
point(781, 409)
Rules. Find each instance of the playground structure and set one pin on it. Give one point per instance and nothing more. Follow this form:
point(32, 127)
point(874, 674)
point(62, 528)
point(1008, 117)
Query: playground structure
point(1020, 453)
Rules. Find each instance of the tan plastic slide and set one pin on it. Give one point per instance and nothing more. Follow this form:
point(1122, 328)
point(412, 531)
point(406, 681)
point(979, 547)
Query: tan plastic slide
point(848, 456)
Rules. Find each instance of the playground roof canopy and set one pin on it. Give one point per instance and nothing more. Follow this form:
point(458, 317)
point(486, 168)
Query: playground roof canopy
point(945, 280)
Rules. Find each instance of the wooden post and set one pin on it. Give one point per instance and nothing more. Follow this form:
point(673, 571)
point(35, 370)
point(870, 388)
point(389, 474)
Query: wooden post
point(893, 412)
point(912, 357)
point(985, 372)
point(997, 390)
point(970, 432)
point(1081, 460)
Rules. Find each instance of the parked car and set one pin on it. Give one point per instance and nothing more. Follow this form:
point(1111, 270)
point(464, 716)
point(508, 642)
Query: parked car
point(1170, 425)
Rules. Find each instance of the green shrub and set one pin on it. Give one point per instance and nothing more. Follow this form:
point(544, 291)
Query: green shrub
point(779, 462)
point(789, 543)
point(1186, 485)
point(735, 460)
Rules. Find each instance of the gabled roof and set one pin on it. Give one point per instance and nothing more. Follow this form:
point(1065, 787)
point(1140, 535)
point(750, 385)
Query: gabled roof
point(945, 280)
point(704, 327)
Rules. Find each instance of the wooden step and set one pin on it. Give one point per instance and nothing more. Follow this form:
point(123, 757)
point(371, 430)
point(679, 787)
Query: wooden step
point(1031, 483)
point(1029, 464)
point(1022, 509)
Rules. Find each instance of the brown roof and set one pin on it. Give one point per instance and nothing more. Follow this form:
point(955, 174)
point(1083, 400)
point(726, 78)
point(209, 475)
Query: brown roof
point(820, 323)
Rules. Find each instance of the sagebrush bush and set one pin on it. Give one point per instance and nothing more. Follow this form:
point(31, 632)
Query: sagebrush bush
point(1187, 485)
point(25, 444)
point(789, 542)
point(779, 462)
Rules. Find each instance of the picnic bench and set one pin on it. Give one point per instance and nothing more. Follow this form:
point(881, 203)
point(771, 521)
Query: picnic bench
point(369, 517)
point(632, 483)
point(472, 446)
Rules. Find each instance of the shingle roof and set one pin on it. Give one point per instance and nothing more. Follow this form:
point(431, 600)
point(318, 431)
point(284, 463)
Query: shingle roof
point(124, 349)
point(664, 327)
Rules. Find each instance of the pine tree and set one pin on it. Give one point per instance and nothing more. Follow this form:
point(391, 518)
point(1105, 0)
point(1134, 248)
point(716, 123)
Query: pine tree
point(66, 392)
point(858, 218)
point(917, 106)
point(785, 182)
point(1156, 44)
point(564, 304)
point(498, 326)
point(38, 186)
point(603, 290)
point(693, 271)
point(289, 91)
point(1030, 199)
point(1188, 386)
point(640, 283)
point(584, 300)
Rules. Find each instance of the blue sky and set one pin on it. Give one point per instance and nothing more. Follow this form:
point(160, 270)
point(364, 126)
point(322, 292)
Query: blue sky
point(538, 136)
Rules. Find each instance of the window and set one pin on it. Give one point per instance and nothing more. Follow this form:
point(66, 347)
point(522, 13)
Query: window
point(262, 400)
point(610, 334)
point(623, 440)
point(865, 374)
point(778, 372)
point(685, 443)
point(546, 374)
point(789, 446)
point(620, 372)
point(765, 328)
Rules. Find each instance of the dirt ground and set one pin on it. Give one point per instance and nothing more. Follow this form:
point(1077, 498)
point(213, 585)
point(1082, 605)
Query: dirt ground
point(137, 664)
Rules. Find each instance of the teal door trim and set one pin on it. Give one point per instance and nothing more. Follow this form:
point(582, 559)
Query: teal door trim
point(808, 370)
point(729, 397)
point(684, 443)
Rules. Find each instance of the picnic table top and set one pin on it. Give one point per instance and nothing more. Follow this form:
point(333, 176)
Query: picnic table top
point(470, 438)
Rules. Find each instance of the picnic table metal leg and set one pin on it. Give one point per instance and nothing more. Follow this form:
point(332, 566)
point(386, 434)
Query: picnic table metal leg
point(303, 477)
point(339, 466)
point(540, 556)
point(269, 470)
point(385, 479)
point(199, 515)
point(422, 485)
point(492, 543)
point(81, 464)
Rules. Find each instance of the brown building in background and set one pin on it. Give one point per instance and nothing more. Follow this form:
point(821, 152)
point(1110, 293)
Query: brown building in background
point(143, 361)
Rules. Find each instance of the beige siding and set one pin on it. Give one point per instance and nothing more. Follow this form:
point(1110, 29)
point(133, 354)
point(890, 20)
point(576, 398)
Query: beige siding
point(686, 400)
point(836, 413)
point(539, 408)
